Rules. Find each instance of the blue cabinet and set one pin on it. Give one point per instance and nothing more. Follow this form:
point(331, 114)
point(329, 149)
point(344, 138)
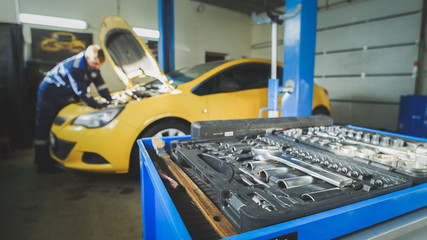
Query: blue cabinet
point(413, 116)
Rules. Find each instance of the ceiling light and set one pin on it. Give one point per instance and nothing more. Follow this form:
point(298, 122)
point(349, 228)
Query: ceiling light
point(143, 32)
point(52, 21)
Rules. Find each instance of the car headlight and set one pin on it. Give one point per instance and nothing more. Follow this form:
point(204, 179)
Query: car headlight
point(98, 118)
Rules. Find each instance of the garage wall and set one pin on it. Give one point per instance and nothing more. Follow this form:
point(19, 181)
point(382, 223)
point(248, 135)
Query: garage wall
point(8, 11)
point(213, 29)
point(261, 34)
point(365, 51)
point(261, 40)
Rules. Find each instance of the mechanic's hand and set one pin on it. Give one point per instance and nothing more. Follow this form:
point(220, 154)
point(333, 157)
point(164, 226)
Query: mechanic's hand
point(103, 105)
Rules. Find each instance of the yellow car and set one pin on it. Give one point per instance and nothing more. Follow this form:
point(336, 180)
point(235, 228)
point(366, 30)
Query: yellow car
point(62, 41)
point(104, 141)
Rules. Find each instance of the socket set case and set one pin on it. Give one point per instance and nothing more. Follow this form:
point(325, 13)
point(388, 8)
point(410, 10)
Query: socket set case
point(277, 175)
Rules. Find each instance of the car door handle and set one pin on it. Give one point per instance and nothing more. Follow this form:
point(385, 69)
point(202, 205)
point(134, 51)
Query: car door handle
point(204, 111)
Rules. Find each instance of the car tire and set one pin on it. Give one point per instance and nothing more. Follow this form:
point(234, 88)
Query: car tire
point(134, 169)
point(164, 128)
point(167, 128)
point(321, 110)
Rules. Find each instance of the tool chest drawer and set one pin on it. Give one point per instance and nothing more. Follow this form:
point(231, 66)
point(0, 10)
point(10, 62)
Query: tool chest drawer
point(307, 182)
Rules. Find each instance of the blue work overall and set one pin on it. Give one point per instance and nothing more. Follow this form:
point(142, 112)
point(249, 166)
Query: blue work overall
point(69, 79)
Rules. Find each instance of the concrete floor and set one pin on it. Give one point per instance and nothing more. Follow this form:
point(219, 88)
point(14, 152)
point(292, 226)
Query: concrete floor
point(68, 205)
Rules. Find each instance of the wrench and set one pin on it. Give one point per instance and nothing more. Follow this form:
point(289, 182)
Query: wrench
point(315, 171)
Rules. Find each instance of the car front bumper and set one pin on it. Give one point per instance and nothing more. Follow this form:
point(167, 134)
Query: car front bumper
point(102, 150)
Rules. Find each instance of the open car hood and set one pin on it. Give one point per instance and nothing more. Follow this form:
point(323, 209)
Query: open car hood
point(127, 53)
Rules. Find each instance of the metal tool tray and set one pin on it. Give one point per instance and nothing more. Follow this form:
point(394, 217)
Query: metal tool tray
point(266, 179)
point(394, 152)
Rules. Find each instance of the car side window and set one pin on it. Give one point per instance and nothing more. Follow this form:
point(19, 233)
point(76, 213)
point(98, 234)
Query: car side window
point(242, 77)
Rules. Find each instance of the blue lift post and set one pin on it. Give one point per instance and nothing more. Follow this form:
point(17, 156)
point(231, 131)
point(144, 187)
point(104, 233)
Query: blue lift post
point(166, 47)
point(298, 63)
point(273, 82)
point(274, 90)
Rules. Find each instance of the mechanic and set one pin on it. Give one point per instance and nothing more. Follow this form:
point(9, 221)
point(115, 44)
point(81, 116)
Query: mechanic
point(66, 81)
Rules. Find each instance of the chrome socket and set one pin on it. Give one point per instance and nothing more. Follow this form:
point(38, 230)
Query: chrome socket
point(295, 182)
point(266, 173)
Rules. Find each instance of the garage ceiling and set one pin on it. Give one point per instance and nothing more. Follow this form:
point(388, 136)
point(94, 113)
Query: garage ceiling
point(244, 6)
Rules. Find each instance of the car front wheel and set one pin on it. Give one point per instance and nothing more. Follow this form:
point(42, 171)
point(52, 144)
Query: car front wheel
point(321, 110)
point(166, 128)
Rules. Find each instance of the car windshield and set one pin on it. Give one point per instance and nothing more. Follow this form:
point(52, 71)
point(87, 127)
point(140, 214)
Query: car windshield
point(179, 76)
point(189, 73)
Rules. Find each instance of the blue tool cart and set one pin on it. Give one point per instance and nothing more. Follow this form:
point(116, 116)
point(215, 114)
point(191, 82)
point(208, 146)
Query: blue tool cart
point(401, 205)
point(161, 219)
